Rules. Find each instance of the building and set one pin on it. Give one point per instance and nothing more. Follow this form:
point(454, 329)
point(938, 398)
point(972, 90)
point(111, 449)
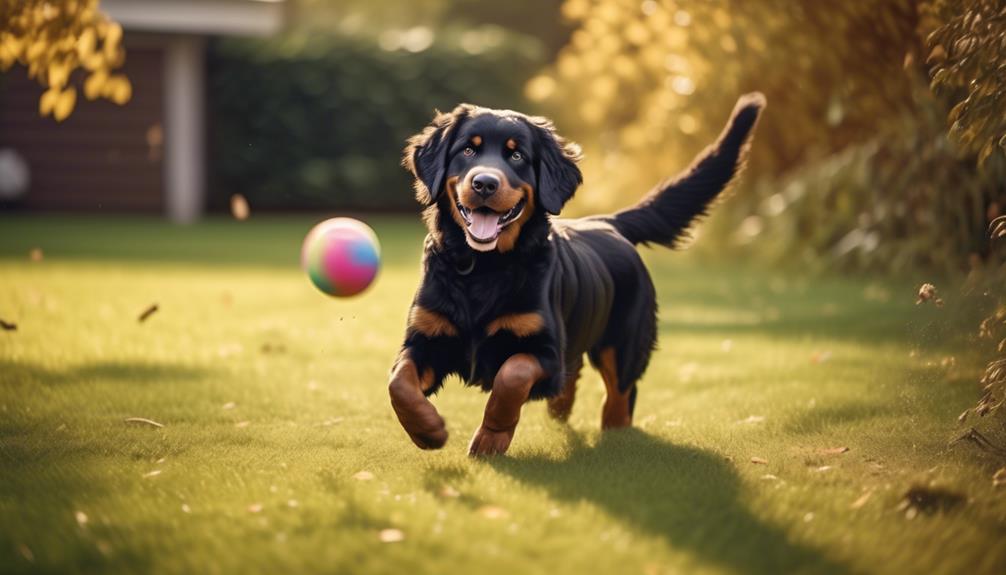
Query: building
point(146, 156)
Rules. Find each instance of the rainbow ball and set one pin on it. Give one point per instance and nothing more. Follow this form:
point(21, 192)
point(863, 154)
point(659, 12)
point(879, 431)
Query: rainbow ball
point(341, 256)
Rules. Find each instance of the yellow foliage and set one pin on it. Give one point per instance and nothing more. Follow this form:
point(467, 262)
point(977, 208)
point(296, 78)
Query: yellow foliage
point(55, 38)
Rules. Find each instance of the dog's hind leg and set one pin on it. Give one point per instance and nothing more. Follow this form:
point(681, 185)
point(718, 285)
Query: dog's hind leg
point(560, 406)
point(620, 400)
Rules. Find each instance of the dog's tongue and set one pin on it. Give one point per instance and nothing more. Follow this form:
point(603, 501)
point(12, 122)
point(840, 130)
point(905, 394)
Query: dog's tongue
point(484, 224)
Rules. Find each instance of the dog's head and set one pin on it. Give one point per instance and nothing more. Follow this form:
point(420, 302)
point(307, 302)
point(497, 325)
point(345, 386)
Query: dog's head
point(492, 171)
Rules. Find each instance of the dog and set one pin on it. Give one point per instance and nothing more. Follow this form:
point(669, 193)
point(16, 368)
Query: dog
point(511, 298)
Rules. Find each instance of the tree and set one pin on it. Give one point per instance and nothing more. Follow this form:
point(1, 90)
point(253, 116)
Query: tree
point(968, 63)
point(55, 38)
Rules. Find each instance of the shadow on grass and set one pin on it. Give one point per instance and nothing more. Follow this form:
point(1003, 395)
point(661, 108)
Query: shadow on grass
point(687, 496)
point(141, 373)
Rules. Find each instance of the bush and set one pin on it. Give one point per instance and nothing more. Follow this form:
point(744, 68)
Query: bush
point(319, 121)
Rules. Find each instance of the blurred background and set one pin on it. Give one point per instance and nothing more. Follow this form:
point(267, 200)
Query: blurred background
point(882, 149)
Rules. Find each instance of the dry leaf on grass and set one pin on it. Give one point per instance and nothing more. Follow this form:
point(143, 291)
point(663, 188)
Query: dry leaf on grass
point(820, 356)
point(229, 405)
point(999, 478)
point(7, 326)
point(833, 450)
point(242, 424)
point(752, 419)
point(186, 508)
point(449, 491)
point(25, 552)
point(861, 501)
point(493, 512)
point(144, 421)
point(153, 473)
point(363, 475)
point(255, 508)
point(81, 518)
point(151, 310)
point(759, 460)
point(36, 254)
point(391, 535)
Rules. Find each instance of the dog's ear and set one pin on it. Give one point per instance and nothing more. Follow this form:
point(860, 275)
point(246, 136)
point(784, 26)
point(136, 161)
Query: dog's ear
point(555, 164)
point(426, 153)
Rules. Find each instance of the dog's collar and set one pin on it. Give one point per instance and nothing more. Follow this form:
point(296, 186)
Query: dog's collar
point(464, 266)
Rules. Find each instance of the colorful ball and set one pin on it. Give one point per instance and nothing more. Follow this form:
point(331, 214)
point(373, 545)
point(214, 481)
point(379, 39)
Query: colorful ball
point(341, 256)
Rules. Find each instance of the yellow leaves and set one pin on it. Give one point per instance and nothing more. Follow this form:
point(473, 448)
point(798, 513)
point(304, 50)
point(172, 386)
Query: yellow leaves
point(53, 38)
point(86, 43)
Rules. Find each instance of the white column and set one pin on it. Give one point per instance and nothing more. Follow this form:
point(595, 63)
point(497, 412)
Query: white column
point(184, 124)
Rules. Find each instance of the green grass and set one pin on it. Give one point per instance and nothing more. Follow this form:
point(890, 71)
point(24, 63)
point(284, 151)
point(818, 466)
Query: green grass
point(239, 324)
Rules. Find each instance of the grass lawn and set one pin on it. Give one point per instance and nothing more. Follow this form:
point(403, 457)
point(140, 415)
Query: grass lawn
point(279, 451)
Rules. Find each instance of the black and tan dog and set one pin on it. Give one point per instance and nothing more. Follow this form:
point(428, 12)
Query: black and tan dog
point(512, 299)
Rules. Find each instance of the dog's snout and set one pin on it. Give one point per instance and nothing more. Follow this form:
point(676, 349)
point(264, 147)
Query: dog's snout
point(485, 184)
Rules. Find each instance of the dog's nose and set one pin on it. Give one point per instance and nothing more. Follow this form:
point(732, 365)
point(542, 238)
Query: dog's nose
point(485, 184)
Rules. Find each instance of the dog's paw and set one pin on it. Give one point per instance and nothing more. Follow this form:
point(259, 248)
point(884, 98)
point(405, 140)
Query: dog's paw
point(487, 442)
point(418, 417)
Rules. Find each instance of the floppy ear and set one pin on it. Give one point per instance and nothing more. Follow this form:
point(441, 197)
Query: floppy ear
point(426, 153)
point(558, 174)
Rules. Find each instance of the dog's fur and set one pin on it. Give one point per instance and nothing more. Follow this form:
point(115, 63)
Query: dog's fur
point(502, 280)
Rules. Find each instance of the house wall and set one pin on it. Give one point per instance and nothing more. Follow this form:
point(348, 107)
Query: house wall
point(103, 157)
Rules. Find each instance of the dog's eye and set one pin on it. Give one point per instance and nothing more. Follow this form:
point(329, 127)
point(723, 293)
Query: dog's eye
point(469, 151)
point(516, 156)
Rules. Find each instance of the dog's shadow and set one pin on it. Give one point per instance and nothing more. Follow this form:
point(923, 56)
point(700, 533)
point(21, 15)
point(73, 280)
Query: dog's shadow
point(685, 495)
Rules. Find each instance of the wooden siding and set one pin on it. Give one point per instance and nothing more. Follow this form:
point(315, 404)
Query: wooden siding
point(103, 157)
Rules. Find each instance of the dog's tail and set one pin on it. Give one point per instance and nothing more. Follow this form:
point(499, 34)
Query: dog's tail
point(665, 214)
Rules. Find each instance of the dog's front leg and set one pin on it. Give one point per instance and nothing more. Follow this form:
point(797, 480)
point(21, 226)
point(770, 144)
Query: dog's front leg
point(510, 390)
point(416, 414)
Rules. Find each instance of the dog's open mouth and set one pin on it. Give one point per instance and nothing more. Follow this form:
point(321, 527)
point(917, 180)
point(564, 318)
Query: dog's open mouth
point(485, 225)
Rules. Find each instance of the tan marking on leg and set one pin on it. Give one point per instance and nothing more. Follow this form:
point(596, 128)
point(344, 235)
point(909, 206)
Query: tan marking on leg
point(616, 411)
point(519, 324)
point(415, 412)
point(430, 323)
point(511, 388)
point(426, 381)
point(560, 406)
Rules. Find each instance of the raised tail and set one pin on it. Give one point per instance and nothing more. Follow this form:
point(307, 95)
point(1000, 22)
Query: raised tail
point(666, 213)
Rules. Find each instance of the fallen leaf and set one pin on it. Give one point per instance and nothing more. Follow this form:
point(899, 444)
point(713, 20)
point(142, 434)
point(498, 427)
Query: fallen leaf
point(153, 473)
point(808, 517)
point(293, 503)
point(833, 450)
point(861, 501)
point(229, 405)
point(186, 508)
point(7, 326)
point(999, 478)
point(727, 345)
point(151, 310)
point(242, 424)
point(391, 535)
point(752, 419)
point(493, 512)
point(255, 508)
point(81, 518)
point(820, 356)
point(448, 491)
point(769, 477)
point(363, 476)
point(239, 207)
point(759, 461)
point(822, 469)
point(143, 420)
point(25, 552)
point(36, 254)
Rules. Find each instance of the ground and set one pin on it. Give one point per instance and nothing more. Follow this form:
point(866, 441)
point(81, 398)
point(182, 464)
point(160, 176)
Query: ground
point(279, 451)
